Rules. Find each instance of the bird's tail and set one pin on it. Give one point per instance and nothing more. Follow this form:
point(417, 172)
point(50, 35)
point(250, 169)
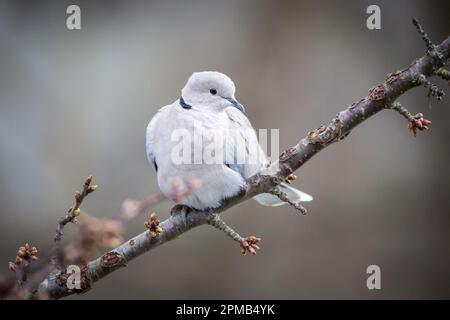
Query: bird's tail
point(294, 195)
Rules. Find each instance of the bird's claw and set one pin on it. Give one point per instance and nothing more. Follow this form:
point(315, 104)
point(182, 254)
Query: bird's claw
point(250, 244)
point(180, 209)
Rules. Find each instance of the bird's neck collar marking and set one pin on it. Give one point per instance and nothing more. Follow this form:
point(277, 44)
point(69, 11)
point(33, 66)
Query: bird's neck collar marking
point(184, 105)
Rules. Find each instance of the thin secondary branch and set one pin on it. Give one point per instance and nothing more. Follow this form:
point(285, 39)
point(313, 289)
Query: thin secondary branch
point(425, 37)
point(379, 98)
point(75, 210)
point(415, 123)
point(71, 216)
point(283, 197)
point(249, 244)
point(24, 256)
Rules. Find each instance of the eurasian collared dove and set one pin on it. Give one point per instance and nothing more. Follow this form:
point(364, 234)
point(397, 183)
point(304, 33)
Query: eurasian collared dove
point(207, 105)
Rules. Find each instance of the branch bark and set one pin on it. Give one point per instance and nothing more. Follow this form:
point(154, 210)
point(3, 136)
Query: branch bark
point(379, 98)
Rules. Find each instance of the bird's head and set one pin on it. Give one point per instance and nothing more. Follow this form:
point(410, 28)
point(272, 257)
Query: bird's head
point(210, 89)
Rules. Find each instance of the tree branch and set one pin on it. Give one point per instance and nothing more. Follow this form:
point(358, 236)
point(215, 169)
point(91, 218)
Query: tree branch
point(379, 98)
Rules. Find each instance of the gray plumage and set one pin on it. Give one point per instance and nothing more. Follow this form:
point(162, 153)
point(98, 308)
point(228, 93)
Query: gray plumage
point(207, 104)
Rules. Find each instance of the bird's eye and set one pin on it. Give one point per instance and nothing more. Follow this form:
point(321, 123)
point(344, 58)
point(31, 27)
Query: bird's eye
point(213, 91)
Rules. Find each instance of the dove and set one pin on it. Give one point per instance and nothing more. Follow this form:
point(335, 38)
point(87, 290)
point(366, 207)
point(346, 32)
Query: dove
point(207, 104)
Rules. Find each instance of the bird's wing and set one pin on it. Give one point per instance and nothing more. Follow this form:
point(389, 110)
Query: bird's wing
point(243, 141)
point(150, 135)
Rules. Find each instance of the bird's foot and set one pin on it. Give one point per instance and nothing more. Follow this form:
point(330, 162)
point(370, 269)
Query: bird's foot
point(176, 209)
point(180, 209)
point(250, 244)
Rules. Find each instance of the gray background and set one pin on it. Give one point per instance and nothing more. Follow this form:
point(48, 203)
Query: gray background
point(78, 102)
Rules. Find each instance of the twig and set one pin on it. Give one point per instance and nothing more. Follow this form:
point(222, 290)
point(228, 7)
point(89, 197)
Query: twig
point(24, 256)
point(415, 123)
point(215, 221)
point(75, 210)
point(249, 244)
point(433, 90)
point(425, 37)
point(71, 216)
point(283, 197)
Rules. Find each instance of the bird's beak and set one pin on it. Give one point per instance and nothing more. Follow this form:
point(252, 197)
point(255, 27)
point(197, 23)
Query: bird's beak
point(236, 104)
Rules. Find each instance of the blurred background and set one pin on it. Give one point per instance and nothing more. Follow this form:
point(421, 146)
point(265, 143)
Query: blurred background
point(74, 103)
